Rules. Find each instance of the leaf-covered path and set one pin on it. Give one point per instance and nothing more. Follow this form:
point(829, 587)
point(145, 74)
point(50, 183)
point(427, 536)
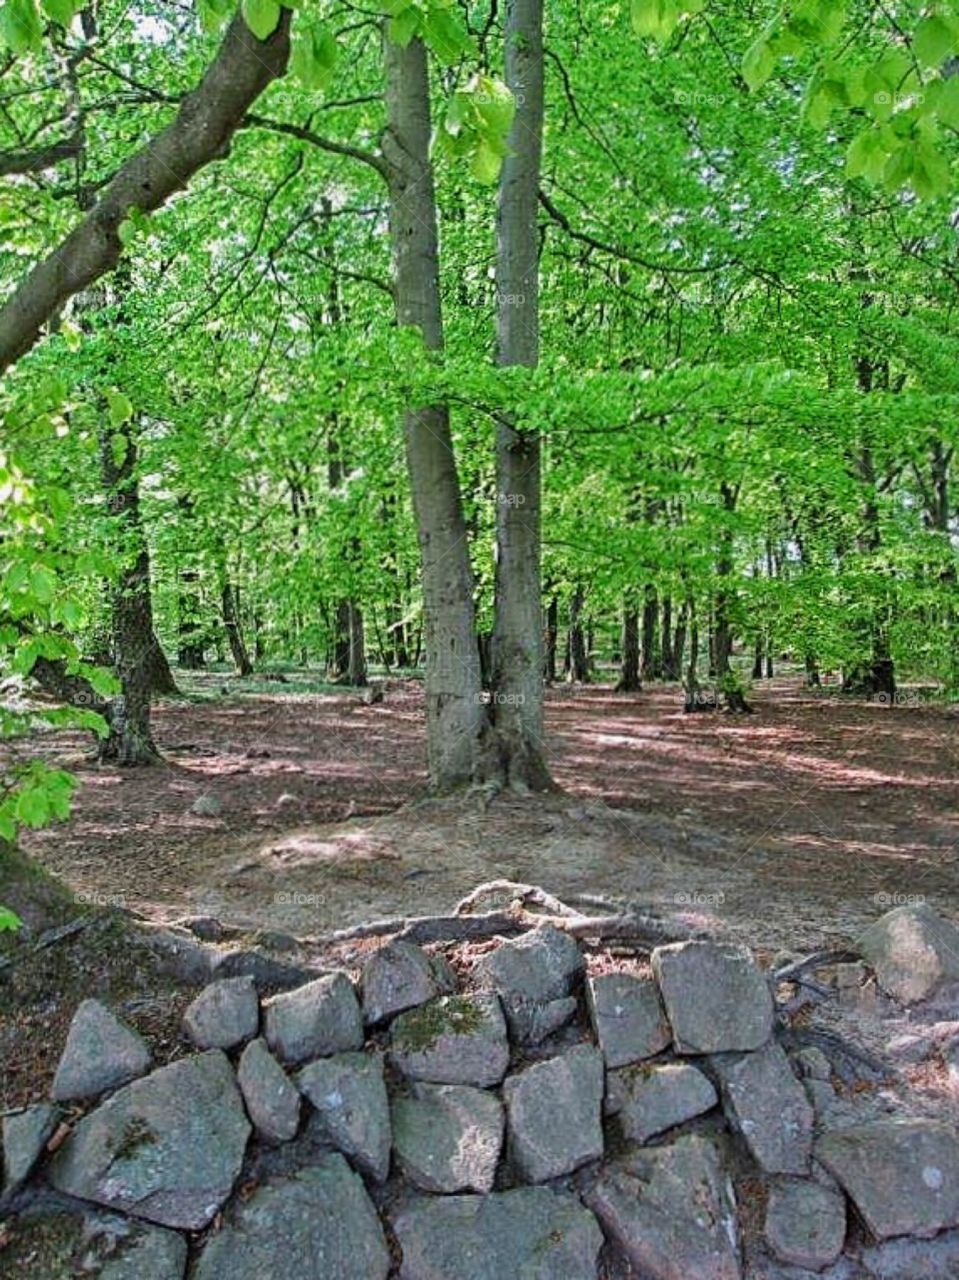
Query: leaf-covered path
point(793, 826)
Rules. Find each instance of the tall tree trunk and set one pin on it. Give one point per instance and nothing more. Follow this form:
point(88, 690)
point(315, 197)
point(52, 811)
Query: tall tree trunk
point(577, 656)
point(666, 640)
point(629, 680)
point(234, 631)
point(650, 634)
point(517, 651)
point(692, 701)
point(130, 741)
point(552, 634)
point(455, 715)
point(723, 631)
point(191, 638)
point(679, 645)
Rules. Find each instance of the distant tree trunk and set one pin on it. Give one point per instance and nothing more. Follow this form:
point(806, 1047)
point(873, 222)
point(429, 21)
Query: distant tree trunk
point(629, 680)
point(758, 659)
point(578, 657)
point(517, 650)
point(130, 741)
point(191, 644)
point(692, 702)
point(234, 631)
point(678, 648)
point(455, 715)
point(552, 633)
point(723, 632)
point(650, 634)
point(666, 639)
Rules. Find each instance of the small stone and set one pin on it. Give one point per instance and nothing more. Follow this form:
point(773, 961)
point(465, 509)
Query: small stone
point(531, 1233)
point(352, 1109)
point(651, 1099)
point(901, 1173)
point(319, 1224)
point(628, 1017)
point(167, 1148)
point(401, 976)
point(452, 1040)
point(224, 1014)
point(805, 1223)
point(531, 973)
point(25, 1134)
point(206, 806)
point(320, 1018)
point(554, 1113)
point(716, 998)
point(671, 1211)
point(813, 1063)
point(272, 1100)
point(144, 1253)
point(913, 951)
point(768, 1106)
point(448, 1137)
point(101, 1053)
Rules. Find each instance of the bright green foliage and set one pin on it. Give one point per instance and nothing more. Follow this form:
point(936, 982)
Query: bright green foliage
point(8, 920)
point(477, 124)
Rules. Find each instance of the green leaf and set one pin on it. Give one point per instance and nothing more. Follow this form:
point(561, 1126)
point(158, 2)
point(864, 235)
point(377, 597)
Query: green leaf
point(446, 36)
point(8, 919)
point(261, 16)
point(495, 104)
point(405, 25)
point(656, 18)
point(487, 162)
point(32, 806)
point(213, 13)
point(21, 27)
point(866, 157)
point(933, 42)
point(314, 56)
point(759, 62)
point(43, 583)
point(62, 11)
point(931, 176)
point(120, 410)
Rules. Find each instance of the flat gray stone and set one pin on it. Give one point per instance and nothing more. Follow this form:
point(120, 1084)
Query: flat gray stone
point(913, 950)
point(717, 999)
point(348, 1093)
point(319, 1224)
point(628, 1017)
point(531, 1233)
point(554, 1111)
point(272, 1099)
point(323, 1017)
point(452, 1040)
point(767, 1105)
point(671, 1211)
point(145, 1253)
point(448, 1137)
point(902, 1174)
point(55, 1245)
point(224, 1014)
point(401, 976)
point(805, 1223)
point(905, 1259)
point(534, 976)
point(25, 1134)
point(101, 1053)
point(167, 1148)
point(651, 1099)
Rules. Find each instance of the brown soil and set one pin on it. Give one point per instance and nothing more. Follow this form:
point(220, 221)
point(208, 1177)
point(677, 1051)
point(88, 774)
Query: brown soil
point(789, 828)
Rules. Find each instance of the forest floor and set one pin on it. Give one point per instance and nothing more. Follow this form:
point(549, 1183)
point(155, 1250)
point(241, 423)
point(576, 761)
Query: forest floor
point(792, 828)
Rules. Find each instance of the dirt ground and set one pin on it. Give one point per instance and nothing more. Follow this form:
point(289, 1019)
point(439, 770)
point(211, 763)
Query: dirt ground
point(790, 828)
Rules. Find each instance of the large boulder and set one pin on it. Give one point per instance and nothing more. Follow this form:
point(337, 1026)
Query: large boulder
point(649, 1099)
point(317, 1225)
point(534, 976)
point(902, 1173)
point(531, 1233)
point(101, 1053)
point(348, 1093)
point(913, 951)
point(554, 1111)
point(452, 1040)
point(25, 1134)
point(628, 1017)
point(400, 976)
point(448, 1137)
point(320, 1018)
point(805, 1223)
point(272, 1100)
point(905, 1259)
point(224, 1014)
point(671, 1212)
point(167, 1148)
point(716, 998)
point(768, 1106)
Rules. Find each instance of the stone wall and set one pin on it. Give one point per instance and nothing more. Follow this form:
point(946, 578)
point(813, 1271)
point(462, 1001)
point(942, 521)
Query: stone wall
point(536, 1119)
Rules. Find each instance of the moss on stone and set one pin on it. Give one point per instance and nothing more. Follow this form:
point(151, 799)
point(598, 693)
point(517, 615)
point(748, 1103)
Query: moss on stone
point(418, 1030)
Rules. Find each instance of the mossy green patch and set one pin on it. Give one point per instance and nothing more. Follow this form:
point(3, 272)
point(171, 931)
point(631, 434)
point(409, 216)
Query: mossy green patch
point(418, 1030)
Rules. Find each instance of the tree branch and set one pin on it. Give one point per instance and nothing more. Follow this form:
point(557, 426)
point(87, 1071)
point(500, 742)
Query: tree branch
point(35, 161)
point(324, 144)
point(200, 133)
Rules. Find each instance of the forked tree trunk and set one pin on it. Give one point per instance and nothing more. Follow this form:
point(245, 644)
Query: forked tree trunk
point(517, 653)
point(130, 741)
point(455, 714)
